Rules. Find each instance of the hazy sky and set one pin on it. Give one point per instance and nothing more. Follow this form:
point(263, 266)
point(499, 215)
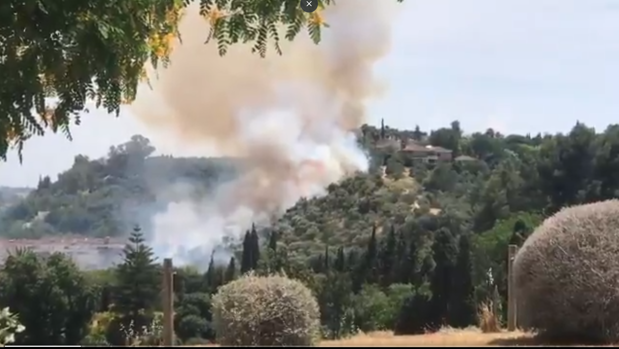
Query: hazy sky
point(514, 65)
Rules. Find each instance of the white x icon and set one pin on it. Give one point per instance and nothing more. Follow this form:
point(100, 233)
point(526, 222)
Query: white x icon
point(308, 3)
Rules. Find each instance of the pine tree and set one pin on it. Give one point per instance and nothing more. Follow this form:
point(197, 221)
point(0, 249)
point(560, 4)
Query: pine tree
point(462, 305)
point(138, 283)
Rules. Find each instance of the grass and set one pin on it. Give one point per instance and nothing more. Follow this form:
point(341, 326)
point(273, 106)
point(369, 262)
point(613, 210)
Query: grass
point(445, 337)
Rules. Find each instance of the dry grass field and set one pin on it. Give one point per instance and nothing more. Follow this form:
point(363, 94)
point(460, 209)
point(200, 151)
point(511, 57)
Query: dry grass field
point(446, 337)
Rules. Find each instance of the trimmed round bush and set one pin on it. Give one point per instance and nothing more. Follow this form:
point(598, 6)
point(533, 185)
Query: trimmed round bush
point(567, 274)
point(265, 311)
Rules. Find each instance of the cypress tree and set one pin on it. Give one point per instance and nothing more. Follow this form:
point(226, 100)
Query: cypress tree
point(340, 261)
point(231, 270)
point(246, 256)
point(444, 251)
point(273, 241)
point(462, 307)
point(386, 263)
point(254, 247)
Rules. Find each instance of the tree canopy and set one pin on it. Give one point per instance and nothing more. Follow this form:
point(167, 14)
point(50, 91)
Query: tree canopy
point(74, 52)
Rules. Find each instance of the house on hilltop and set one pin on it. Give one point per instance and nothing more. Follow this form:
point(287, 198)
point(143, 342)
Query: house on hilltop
point(426, 153)
point(415, 148)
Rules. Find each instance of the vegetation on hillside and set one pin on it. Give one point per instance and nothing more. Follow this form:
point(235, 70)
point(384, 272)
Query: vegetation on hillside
point(410, 246)
point(106, 197)
point(9, 196)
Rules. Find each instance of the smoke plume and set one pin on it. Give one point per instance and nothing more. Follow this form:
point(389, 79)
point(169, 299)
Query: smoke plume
point(291, 118)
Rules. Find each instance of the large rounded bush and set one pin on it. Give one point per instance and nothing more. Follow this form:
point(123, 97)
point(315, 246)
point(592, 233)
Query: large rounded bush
point(265, 311)
point(567, 274)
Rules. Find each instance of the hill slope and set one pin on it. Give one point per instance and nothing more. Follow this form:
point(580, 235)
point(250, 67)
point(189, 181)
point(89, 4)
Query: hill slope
point(488, 178)
point(97, 198)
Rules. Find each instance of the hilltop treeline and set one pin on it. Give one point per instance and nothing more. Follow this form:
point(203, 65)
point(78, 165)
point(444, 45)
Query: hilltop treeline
point(106, 197)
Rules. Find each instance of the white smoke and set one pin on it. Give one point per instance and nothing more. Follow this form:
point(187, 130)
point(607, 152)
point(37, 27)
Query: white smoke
point(291, 119)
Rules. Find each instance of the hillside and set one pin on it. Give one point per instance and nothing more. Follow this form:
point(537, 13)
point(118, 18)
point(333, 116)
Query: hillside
point(100, 197)
point(10, 196)
point(417, 178)
point(416, 244)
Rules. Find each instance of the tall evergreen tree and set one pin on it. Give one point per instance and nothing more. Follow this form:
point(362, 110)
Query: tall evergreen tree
point(366, 271)
point(445, 251)
point(210, 277)
point(371, 257)
point(401, 270)
point(334, 298)
point(326, 261)
point(273, 237)
point(230, 270)
point(417, 134)
point(138, 283)
point(352, 259)
point(340, 261)
point(246, 257)
point(412, 267)
point(255, 247)
point(386, 259)
point(462, 310)
point(382, 128)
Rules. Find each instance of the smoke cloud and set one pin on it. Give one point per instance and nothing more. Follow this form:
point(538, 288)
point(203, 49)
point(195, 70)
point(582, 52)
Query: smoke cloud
point(291, 118)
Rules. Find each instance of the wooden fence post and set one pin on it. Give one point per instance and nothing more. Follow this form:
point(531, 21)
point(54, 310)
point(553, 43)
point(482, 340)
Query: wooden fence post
point(168, 303)
point(511, 290)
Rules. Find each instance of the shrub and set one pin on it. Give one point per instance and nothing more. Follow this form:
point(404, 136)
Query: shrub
point(197, 341)
point(415, 313)
point(265, 311)
point(567, 274)
point(9, 326)
point(487, 318)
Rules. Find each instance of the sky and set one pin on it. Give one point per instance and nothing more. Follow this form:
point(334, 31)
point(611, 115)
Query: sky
point(517, 66)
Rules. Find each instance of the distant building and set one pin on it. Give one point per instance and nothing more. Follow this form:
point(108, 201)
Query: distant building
point(464, 158)
point(417, 151)
point(426, 153)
